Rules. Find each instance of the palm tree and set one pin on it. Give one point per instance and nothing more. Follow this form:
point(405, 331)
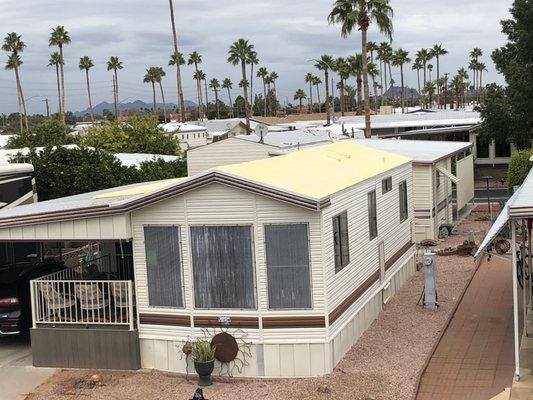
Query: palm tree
point(204, 78)
point(356, 69)
point(240, 53)
point(359, 14)
point(114, 64)
point(429, 91)
point(85, 65)
point(309, 78)
point(481, 67)
point(195, 59)
point(273, 78)
point(159, 75)
point(423, 56)
point(228, 85)
point(430, 70)
point(474, 56)
point(373, 73)
point(150, 77)
point(438, 51)
point(177, 60)
point(214, 84)
point(14, 45)
point(373, 47)
point(263, 73)
point(253, 60)
point(299, 96)
point(56, 61)
point(269, 81)
point(399, 58)
point(317, 82)
point(60, 37)
point(417, 66)
point(343, 69)
point(325, 63)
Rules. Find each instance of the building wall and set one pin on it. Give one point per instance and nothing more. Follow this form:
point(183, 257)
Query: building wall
point(228, 151)
point(465, 187)
point(190, 140)
point(443, 197)
point(423, 201)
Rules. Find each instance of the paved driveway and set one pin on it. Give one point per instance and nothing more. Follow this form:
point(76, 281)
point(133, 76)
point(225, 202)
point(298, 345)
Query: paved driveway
point(17, 375)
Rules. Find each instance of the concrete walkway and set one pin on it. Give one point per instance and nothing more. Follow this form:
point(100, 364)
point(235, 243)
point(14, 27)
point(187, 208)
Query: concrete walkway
point(475, 358)
point(17, 375)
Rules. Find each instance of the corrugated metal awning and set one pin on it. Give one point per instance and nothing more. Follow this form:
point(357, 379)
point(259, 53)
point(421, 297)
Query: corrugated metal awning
point(498, 225)
point(448, 174)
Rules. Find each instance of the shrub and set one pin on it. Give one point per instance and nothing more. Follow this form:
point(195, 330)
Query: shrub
point(202, 351)
point(519, 167)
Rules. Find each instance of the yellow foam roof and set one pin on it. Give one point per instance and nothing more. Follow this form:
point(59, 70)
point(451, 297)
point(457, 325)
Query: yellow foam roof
point(139, 190)
point(320, 171)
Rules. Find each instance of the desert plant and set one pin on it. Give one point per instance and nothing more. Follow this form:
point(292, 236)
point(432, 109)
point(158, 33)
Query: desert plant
point(202, 351)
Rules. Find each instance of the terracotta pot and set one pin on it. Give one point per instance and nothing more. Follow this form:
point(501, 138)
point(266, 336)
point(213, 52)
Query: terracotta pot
point(204, 371)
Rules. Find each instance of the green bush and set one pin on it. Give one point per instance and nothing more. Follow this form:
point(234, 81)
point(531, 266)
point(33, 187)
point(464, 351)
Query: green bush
point(519, 167)
point(202, 351)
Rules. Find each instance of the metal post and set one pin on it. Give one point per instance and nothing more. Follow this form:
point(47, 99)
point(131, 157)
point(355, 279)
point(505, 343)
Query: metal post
point(33, 305)
point(130, 304)
point(488, 198)
point(530, 268)
point(526, 278)
point(515, 304)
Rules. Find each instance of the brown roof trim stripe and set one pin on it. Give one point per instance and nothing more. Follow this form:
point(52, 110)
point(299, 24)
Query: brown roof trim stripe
point(294, 322)
point(165, 319)
point(235, 322)
point(341, 308)
point(396, 256)
point(213, 177)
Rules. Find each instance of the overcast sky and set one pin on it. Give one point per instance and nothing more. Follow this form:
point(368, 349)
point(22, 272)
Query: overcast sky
point(286, 34)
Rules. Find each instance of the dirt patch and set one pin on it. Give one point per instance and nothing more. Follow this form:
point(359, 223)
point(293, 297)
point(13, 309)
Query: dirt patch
point(383, 365)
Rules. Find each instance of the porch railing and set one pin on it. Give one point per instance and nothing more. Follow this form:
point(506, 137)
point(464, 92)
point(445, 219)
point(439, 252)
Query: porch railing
point(62, 299)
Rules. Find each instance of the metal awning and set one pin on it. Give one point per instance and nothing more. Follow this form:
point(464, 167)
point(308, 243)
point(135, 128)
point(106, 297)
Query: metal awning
point(449, 175)
point(498, 225)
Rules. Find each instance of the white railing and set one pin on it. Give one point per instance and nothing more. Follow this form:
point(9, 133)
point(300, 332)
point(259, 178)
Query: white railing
point(58, 299)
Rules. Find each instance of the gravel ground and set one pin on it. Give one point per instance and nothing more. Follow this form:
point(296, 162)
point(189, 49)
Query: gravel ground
point(383, 365)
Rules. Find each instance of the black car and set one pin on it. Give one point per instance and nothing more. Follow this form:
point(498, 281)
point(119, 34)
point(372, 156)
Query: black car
point(15, 304)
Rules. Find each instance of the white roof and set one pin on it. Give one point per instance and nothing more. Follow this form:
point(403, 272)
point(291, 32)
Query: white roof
point(421, 151)
point(10, 168)
point(135, 159)
point(4, 139)
point(525, 199)
point(294, 139)
point(172, 127)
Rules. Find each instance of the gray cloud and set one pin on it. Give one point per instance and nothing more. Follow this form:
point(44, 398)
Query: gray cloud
point(285, 33)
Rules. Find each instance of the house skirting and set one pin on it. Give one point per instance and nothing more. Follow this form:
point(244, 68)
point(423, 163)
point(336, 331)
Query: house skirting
point(296, 352)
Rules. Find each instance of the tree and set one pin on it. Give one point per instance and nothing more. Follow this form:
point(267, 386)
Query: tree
point(263, 73)
point(423, 56)
point(240, 52)
point(253, 61)
point(114, 64)
point(150, 77)
point(438, 51)
point(399, 59)
point(60, 37)
point(343, 69)
point(85, 65)
point(356, 69)
point(373, 47)
point(361, 13)
point(325, 64)
point(14, 45)
point(138, 134)
point(519, 168)
point(196, 59)
point(309, 78)
point(417, 66)
point(300, 96)
point(159, 75)
point(50, 132)
point(177, 60)
point(214, 84)
point(474, 57)
point(273, 78)
point(317, 82)
point(228, 85)
point(269, 100)
point(429, 91)
point(55, 61)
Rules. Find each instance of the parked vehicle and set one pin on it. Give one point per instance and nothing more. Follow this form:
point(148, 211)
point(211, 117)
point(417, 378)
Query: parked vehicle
point(15, 304)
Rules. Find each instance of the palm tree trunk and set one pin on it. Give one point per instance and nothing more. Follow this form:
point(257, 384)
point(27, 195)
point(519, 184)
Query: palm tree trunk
point(368, 132)
point(381, 79)
point(328, 111)
point(384, 88)
point(216, 103)
point(264, 98)
point(62, 83)
point(245, 92)
point(402, 92)
point(480, 85)
point(343, 106)
point(251, 85)
point(318, 96)
point(301, 105)
point(178, 70)
point(89, 94)
point(22, 101)
point(310, 98)
point(206, 100)
point(59, 89)
point(359, 109)
point(21, 122)
point(198, 92)
point(164, 101)
point(117, 94)
point(153, 98)
point(438, 83)
point(418, 78)
point(230, 103)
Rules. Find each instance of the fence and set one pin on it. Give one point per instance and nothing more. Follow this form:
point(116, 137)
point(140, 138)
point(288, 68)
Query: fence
point(62, 298)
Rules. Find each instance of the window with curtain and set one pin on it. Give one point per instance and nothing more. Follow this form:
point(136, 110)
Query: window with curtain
point(287, 259)
point(386, 185)
point(372, 215)
point(223, 267)
point(163, 266)
point(341, 246)
point(404, 207)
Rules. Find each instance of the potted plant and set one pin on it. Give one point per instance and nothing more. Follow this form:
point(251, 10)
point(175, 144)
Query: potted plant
point(204, 361)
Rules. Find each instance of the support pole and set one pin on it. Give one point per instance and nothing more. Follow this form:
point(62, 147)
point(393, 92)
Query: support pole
point(515, 304)
point(529, 265)
point(525, 269)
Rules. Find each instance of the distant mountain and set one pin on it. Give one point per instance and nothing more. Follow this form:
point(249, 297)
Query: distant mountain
point(136, 105)
point(396, 92)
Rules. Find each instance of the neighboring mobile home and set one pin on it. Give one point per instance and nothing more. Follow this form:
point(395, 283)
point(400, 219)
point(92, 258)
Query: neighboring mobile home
point(189, 135)
point(294, 255)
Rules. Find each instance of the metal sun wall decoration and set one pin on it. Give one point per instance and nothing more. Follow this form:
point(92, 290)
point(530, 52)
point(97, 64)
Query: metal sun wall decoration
point(232, 351)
